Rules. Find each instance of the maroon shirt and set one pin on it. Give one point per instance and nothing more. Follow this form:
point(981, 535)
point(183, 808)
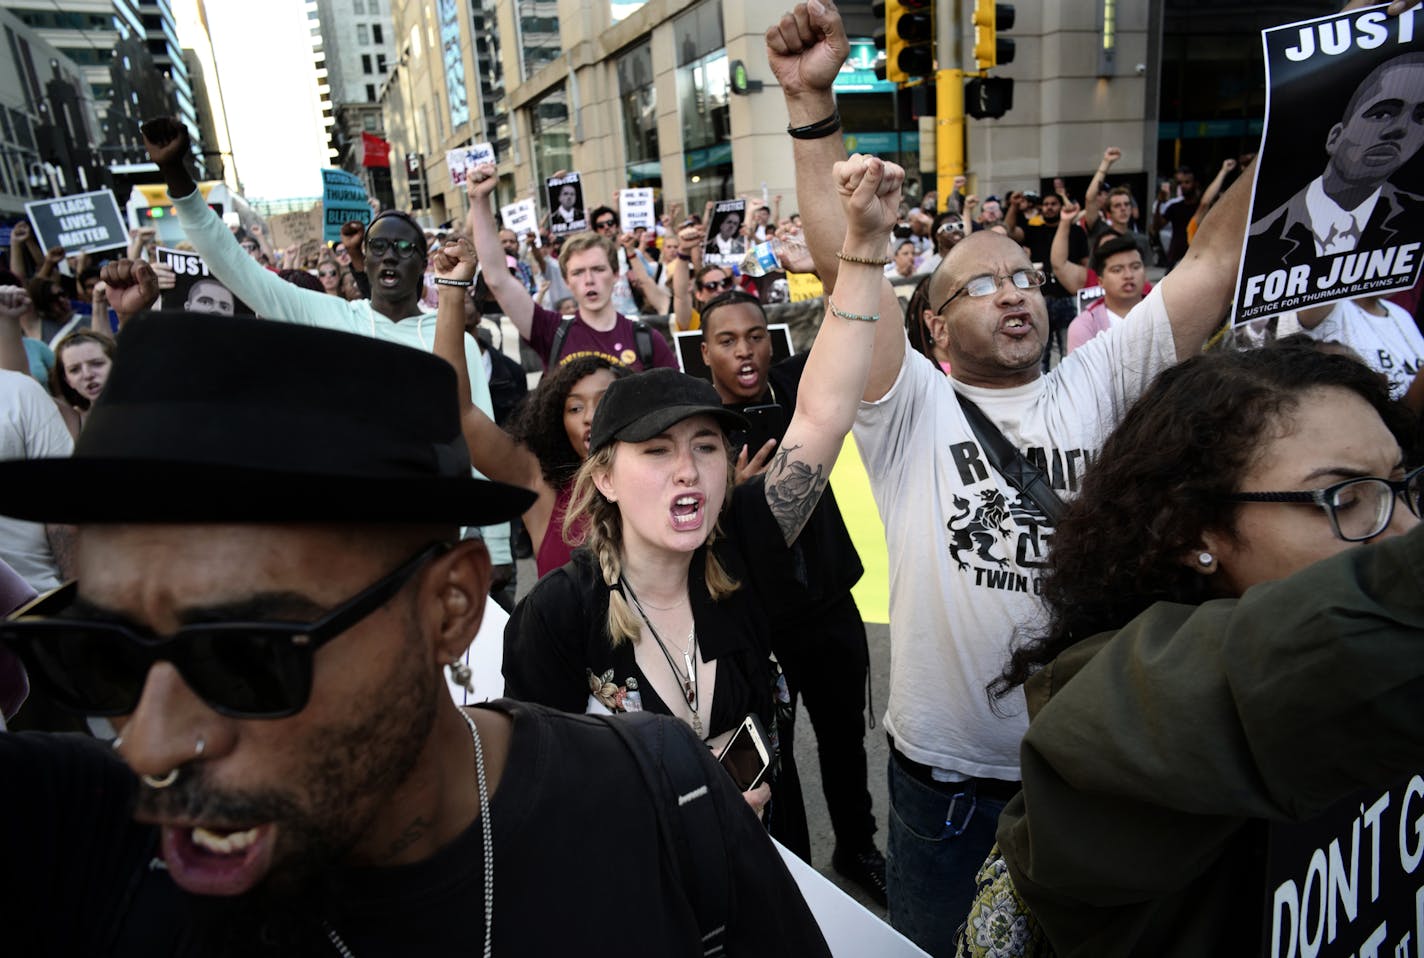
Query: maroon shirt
point(617, 344)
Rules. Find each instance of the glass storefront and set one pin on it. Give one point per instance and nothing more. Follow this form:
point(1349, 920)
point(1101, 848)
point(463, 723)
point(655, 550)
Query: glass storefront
point(703, 92)
point(549, 130)
point(638, 101)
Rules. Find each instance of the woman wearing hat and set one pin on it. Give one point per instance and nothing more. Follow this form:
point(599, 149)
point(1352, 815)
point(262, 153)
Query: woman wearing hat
point(660, 610)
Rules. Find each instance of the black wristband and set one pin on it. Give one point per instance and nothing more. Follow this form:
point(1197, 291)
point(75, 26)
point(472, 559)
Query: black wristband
point(442, 281)
point(817, 130)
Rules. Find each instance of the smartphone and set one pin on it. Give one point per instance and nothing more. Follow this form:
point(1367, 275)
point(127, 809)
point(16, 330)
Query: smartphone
point(763, 423)
point(747, 754)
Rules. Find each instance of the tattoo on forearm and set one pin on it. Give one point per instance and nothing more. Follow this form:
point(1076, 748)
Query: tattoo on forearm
point(792, 490)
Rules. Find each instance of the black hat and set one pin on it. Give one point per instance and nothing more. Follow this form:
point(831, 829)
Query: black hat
point(644, 405)
point(219, 419)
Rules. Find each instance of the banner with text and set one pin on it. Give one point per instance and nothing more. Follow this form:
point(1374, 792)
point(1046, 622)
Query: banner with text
point(343, 199)
point(635, 209)
point(1338, 207)
point(521, 217)
point(81, 223)
point(1349, 882)
point(196, 290)
point(565, 204)
point(460, 161)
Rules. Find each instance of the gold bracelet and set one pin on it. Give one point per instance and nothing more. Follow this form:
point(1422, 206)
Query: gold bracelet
point(847, 258)
point(872, 318)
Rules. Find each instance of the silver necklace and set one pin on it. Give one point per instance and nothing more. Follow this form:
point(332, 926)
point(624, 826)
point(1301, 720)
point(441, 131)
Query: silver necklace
point(688, 679)
point(488, 833)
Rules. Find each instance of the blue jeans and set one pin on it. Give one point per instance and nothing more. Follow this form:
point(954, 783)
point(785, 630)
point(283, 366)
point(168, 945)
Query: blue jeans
point(940, 833)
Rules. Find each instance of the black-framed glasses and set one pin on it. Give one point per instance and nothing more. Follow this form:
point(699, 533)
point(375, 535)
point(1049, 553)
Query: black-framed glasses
point(719, 285)
point(604, 224)
point(404, 248)
point(1359, 509)
point(240, 669)
point(988, 284)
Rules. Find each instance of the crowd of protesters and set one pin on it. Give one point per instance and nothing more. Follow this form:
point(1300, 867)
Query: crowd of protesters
point(1114, 531)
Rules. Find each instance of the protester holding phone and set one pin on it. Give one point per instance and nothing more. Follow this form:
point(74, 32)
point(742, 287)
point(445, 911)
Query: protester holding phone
point(664, 609)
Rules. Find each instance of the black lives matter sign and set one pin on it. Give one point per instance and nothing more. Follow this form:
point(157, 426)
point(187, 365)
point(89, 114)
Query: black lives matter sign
point(1338, 206)
point(81, 223)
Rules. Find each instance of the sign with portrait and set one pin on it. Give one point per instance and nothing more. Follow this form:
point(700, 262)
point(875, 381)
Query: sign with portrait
point(725, 243)
point(566, 204)
point(1338, 207)
point(195, 289)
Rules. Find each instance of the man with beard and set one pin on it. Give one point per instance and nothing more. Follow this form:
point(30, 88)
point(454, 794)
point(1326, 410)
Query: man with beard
point(291, 775)
point(818, 635)
point(966, 544)
point(394, 254)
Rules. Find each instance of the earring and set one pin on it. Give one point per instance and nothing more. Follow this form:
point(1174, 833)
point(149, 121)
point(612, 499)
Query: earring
point(461, 675)
point(1206, 560)
point(117, 743)
point(199, 746)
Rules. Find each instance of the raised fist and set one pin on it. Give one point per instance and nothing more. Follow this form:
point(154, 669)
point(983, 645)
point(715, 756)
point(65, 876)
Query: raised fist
point(1111, 155)
point(130, 285)
point(166, 141)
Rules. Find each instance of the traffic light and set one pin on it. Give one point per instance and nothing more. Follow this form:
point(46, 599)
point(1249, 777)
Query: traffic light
point(988, 98)
point(990, 49)
point(907, 38)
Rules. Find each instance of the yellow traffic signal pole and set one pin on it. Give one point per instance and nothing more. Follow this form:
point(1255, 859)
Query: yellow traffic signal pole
point(949, 100)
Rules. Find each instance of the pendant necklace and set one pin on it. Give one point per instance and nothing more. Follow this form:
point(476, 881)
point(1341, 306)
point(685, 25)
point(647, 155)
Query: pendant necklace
point(488, 833)
point(687, 679)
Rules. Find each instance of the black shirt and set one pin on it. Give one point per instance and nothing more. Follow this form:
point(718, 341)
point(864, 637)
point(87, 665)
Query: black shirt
point(577, 858)
point(1038, 237)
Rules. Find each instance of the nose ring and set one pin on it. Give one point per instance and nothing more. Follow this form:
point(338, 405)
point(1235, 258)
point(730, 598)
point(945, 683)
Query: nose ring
point(161, 782)
point(199, 746)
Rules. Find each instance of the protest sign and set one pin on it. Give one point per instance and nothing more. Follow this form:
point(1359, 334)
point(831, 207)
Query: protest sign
point(463, 159)
point(196, 290)
point(521, 217)
point(1337, 210)
point(635, 209)
point(80, 223)
point(566, 204)
point(295, 228)
point(1348, 882)
point(343, 199)
point(725, 243)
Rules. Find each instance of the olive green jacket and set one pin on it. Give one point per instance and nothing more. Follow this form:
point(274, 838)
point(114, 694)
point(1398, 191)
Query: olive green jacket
point(1156, 754)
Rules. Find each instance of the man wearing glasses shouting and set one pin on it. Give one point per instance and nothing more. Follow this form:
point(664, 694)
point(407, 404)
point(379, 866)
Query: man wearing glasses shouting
point(965, 544)
point(265, 614)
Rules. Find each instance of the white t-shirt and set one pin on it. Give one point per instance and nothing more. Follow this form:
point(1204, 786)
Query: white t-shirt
point(1389, 344)
point(965, 551)
point(30, 428)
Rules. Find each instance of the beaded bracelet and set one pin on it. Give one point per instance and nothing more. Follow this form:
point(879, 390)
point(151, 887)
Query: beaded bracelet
point(872, 318)
point(817, 130)
point(442, 281)
point(847, 258)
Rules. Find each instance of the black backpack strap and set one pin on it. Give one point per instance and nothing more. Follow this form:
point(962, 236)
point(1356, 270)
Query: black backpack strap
point(1008, 462)
point(560, 335)
point(643, 338)
point(688, 821)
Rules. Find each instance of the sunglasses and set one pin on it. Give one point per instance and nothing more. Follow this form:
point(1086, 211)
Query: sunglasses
point(713, 287)
point(605, 224)
point(246, 670)
point(328, 272)
point(405, 248)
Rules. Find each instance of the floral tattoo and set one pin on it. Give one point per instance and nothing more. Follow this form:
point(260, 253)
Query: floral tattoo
point(792, 490)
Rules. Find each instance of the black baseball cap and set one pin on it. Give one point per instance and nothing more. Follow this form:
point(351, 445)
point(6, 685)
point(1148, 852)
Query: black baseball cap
point(644, 405)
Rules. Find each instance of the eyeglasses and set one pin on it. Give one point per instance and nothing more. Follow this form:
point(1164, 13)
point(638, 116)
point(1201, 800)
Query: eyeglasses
point(605, 224)
point(327, 272)
point(240, 669)
point(405, 248)
point(250, 247)
point(716, 285)
point(952, 226)
point(988, 284)
point(1359, 509)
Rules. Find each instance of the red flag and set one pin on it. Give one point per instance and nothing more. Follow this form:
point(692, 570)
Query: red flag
point(375, 151)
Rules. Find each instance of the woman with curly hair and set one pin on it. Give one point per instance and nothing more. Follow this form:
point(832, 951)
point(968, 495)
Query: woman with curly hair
point(548, 437)
point(1182, 696)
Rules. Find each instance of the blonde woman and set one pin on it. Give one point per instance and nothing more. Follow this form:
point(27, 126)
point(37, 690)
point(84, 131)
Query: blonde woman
point(660, 610)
